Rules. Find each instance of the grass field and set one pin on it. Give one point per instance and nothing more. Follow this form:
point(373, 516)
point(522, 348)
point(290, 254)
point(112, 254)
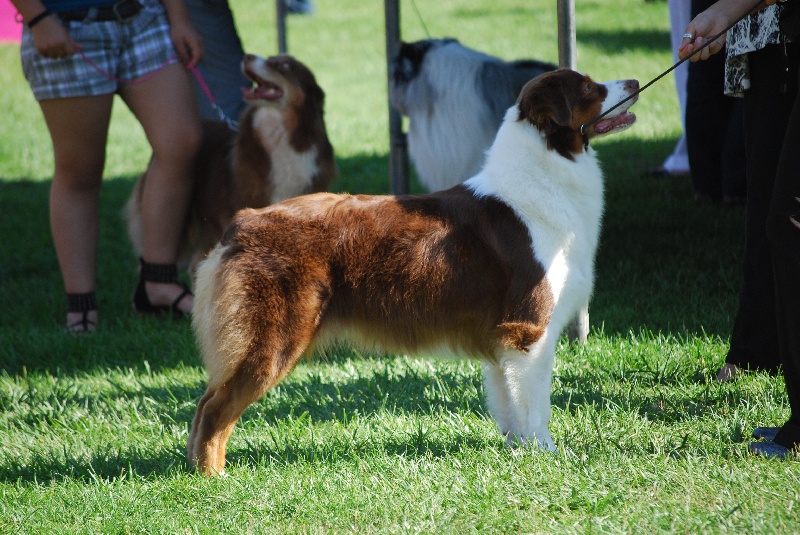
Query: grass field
point(93, 429)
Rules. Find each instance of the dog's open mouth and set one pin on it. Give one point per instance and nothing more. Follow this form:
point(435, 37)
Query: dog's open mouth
point(619, 122)
point(263, 90)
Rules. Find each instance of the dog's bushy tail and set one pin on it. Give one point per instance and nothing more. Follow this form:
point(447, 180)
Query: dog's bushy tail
point(214, 318)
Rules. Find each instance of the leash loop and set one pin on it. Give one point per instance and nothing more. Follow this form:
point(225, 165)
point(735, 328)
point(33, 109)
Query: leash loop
point(584, 126)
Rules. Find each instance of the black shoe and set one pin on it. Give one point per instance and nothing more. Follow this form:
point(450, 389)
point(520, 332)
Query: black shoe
point(161, 273)
point(84, 303)
point(765, 433)
point(770, 450)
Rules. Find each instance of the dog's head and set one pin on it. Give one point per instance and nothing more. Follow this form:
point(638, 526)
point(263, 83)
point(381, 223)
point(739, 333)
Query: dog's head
point(558, 103)
point(432, 70)
point(281, 82)
point(410, 57)
point(406, 87)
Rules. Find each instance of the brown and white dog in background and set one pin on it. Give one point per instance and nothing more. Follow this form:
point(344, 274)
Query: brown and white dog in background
point(280, 151)
point(491, 269)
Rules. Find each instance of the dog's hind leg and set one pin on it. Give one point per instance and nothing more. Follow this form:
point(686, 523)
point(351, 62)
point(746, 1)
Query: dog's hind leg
point(217, 413)
point(229, 394)
point(528, 380)
point(191, 445)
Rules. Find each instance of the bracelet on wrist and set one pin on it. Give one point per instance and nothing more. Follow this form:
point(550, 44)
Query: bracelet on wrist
point(38, 18)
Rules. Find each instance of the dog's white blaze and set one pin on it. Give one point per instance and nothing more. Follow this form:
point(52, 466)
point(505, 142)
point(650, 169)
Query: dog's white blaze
point(291, 170)
point(616, 94)
point(263, 71)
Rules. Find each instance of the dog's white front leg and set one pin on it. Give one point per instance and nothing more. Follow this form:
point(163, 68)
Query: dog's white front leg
point(497, 400)
point(528, 379)
point(578, 328)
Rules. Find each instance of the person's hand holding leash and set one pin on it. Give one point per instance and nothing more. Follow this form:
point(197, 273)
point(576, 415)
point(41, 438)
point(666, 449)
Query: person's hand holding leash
point(50, 37)
point(705, 26)
point(188, 43)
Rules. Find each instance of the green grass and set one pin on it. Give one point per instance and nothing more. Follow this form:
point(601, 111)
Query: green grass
point(93, 429)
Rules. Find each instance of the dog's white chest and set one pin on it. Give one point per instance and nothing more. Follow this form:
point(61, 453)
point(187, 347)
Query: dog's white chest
point(561, 204)
point(291, 172)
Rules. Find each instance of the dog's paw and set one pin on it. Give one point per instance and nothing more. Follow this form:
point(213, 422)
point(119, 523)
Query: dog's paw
point(542, 442)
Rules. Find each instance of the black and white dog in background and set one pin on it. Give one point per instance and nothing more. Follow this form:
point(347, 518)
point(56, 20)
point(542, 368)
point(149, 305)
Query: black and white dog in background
point(455, 98)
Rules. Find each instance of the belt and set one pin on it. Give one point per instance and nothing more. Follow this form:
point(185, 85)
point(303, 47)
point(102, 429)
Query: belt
point(121, 11)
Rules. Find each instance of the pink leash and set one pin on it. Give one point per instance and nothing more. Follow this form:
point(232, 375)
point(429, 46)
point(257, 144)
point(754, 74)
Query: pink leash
point(233, 125)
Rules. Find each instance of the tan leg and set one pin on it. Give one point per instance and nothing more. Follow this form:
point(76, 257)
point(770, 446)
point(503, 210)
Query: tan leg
point(257, 347)
point(191, 445)
point(216, 416)
point(164, 105)
point(78, 129)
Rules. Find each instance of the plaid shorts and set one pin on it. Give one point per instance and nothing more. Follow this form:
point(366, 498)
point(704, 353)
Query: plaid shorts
point(125, 51)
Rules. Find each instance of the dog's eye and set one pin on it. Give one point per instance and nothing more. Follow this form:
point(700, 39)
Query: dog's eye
point(286, 65)
point(587, 87)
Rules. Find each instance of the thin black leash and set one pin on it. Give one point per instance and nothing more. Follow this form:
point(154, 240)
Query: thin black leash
point(421, 21)
point(585, 136)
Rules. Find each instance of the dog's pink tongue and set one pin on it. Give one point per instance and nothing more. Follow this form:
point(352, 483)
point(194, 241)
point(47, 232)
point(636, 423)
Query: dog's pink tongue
point(262, 92)
point(622, 120)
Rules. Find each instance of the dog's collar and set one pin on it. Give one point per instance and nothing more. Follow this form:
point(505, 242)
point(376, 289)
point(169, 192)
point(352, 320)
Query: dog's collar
point(585, 137)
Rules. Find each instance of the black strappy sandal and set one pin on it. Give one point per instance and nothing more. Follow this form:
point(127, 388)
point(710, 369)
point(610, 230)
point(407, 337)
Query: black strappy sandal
point(83, 303)
point(162, 273)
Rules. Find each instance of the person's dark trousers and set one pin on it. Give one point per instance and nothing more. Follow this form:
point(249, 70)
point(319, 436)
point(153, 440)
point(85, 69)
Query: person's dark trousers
point(754, 339)
point(222, 58)
point(714, 136)
point(783, 231)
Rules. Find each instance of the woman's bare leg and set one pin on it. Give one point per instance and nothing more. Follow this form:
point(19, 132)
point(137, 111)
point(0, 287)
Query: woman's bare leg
point(78, 129)
point(165, 107)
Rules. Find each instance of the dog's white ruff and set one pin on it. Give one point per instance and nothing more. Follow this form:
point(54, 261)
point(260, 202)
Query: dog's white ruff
point(291, 171)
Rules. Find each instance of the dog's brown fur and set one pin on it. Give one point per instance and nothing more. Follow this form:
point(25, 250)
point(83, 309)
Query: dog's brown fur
point(452, 272)
point(300, 272)
point(265, 162)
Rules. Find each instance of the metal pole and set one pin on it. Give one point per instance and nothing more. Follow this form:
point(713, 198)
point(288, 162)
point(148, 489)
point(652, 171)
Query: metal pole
point(280, 11)
point(398, 146)
point(578, 329)
point(567, 51)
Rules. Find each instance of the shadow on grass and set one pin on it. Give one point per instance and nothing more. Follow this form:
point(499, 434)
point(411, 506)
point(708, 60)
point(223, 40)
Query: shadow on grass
point(107, 466)
point(304, 405)
point(664, 265)
point(419, 443)
point(641, 392)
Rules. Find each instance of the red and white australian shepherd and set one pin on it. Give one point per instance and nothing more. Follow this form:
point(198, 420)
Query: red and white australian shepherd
point(280, 151)
point(492, 268)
